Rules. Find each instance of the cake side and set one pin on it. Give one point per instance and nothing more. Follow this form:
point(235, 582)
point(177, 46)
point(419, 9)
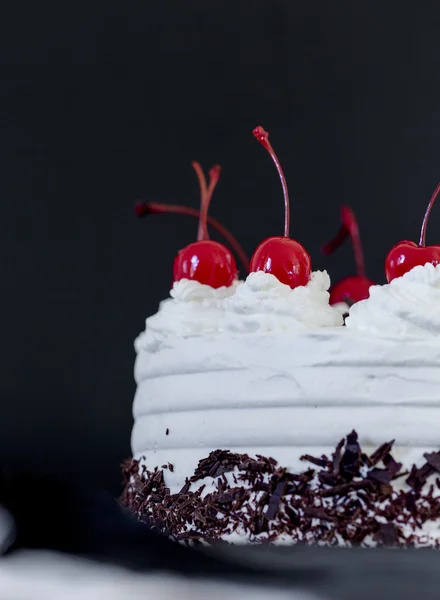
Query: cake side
point(283, 395)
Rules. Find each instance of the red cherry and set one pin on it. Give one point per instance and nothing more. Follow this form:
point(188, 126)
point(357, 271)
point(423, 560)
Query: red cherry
point(350, 290)
point(284, 258)
point(207, 262)
point(281, 256)
point(357, 287)
point(406, 255)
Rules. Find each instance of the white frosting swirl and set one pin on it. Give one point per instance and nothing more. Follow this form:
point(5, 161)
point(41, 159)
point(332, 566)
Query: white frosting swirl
point(262, 303)
point(192, 309)
point(409, 305)
point(188, 290)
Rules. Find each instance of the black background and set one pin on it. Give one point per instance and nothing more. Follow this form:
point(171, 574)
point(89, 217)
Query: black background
point(104, 103)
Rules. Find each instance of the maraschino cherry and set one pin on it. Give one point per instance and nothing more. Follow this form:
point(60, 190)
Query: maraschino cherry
point(357, 287)
point(281, 256)
point(205, 260)
point(406, 255)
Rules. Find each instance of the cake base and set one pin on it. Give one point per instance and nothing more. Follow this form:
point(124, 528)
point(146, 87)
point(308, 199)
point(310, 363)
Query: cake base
point(350, 499)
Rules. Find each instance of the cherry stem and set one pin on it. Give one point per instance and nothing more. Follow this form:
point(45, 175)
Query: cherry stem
point(214, 176)
point(202, 232)
point(426, 217)
point(263, 137)
point(149, 208)
point(349, 227)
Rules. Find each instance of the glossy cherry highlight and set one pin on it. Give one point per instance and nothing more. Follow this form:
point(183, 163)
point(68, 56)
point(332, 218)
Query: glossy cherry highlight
point(283, 257)
point(357, 287)
point(406, 255)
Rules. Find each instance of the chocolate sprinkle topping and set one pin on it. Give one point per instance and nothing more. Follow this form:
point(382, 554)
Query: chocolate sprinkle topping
point(433, 460)
point(347, 499)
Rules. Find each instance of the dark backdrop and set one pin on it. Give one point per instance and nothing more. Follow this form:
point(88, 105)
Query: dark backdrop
point(103, 103)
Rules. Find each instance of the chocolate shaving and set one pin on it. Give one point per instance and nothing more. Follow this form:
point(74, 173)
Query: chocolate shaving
point(337, 458)
point(410, 503)
point(381, 453)
point(380, 475)
point(185, 488)
point(225, 497)
point(350, 461)
point(346, 500)
point(319, 462)
point(318, 513)
point(345, 488)
point(433, 460)
point(218, 463)
point(274, 501)
point(418, 477)
point(392, 466)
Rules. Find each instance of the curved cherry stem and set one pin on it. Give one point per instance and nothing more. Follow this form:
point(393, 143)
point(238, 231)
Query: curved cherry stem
point(214, 176)
point(263, 137)
point(150, 208)
point(349, 227)
point(426, 217)
point(202, 232)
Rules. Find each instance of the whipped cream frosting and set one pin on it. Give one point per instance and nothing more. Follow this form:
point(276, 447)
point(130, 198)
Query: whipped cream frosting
point(408, 306)
point(262, 304)
point(342, 307)
point(192, 309)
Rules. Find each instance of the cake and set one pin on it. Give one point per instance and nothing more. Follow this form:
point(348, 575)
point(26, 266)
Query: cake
point(259, 417)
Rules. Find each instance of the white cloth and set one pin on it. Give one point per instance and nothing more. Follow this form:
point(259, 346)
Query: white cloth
point(35, 575)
